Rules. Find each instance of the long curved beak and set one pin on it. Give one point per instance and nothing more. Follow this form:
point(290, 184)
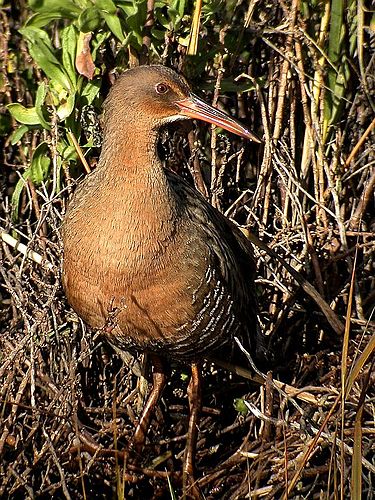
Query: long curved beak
point(196, 108)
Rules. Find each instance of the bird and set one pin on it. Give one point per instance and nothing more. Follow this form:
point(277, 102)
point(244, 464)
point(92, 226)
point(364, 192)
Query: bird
point(146, 257)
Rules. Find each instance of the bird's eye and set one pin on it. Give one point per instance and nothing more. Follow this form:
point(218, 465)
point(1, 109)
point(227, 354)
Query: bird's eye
point(161, 88)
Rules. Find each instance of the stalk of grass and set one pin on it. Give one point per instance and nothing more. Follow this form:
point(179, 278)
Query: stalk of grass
point(310, 449)
point(360, 363)
point(79, 151)
point(356, 477)
point(344, 365)
point(170, 488)
point(194, 32)
point(120, 478)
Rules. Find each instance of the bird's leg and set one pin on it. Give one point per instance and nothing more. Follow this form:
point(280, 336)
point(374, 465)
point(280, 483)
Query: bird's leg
point(142, 383)
point(159, 379)
point(195, 402)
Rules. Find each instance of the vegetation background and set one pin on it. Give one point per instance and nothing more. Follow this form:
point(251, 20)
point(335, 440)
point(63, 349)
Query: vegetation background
point(300, 74)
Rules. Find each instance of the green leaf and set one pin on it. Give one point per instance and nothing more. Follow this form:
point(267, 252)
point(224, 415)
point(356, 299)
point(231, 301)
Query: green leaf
point(114, 24)
point(174, 17)
point(129, 38)
point(137, 17)
point(28, 116)
point(17, 193)
point(66, 108)
point(338, 70)
point(70, 153)
point(96, 42)
point(69, 38)
point(67, 152)
point(41, 19)
point(42, 52)
point(106, 5)
point(179, 7)
point(41, 94)
point(162, 19)
point(18, 134)
point(32, 34)
point(335, 37)
point(89, 20)
point(336, 30)
point(40, 162)
point(66, 8)
point(90, 91)
point(158, 34)
point(241, 407)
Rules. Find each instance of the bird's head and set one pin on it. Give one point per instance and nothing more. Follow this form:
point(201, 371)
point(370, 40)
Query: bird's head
point(156, 95)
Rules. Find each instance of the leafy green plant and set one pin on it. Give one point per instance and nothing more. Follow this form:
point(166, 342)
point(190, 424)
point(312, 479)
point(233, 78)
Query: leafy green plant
point(64, 93)
point(58, 99)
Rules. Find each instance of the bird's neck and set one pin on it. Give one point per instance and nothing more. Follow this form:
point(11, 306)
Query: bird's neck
point(129, 151)
point(132, 175)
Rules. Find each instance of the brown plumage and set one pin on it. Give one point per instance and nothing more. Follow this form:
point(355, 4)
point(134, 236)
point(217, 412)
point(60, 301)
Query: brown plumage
point(144, 248)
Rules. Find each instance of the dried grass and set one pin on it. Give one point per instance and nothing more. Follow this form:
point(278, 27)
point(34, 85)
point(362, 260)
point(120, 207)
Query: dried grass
point(68, 403)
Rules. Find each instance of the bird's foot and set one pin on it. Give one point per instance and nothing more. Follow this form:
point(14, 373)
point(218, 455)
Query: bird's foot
point(159, 381)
